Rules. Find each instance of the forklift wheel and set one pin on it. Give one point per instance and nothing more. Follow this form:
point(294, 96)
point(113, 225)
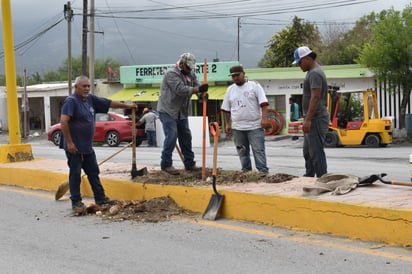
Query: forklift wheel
point(331, 139)
point(372, 140)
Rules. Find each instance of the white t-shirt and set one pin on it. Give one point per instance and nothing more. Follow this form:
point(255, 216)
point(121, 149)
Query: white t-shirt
point(243, 102)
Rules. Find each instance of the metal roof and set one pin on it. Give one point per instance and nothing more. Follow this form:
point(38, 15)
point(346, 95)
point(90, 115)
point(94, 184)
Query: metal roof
point(341, 71)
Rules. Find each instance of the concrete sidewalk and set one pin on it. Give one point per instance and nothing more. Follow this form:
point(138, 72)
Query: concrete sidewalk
point(377, 212)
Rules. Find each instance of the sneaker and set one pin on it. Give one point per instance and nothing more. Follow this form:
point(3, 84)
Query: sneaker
point(78, 205)
point(171, 170)
point(106, 201)
point(194, 168)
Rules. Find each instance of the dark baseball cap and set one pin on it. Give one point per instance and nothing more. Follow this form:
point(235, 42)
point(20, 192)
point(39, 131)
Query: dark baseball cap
point(236, 70)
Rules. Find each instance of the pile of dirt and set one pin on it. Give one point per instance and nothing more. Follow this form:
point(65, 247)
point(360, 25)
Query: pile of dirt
point(152, 211)
point(224, 177)
point(165, 208)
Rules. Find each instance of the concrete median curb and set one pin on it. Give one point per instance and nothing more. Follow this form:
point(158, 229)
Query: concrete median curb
point(360, 221)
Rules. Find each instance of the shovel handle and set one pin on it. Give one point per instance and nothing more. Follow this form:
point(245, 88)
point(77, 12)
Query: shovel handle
point(114, 154)
point(400, 183)
point(180, 153)
point(134, 135)
point(214, 130)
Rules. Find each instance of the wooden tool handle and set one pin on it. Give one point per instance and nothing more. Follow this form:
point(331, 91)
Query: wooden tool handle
point(204, 112)
point(214, 130)
point(134, 135)
point(401, 183)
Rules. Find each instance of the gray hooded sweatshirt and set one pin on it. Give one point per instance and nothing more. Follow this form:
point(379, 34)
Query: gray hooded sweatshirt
point(176, 92)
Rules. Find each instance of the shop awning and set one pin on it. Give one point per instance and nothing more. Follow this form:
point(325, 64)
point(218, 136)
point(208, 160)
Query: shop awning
point(152, 94)
point(217, 92)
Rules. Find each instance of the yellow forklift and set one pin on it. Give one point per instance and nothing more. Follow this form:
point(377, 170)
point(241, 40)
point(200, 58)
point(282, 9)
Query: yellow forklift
point(354, 119)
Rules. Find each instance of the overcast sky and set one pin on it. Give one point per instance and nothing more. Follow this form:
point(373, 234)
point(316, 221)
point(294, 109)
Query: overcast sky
point(158, 31)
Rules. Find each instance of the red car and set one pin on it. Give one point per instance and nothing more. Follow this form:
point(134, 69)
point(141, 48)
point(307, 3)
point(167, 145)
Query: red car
point(111, 128)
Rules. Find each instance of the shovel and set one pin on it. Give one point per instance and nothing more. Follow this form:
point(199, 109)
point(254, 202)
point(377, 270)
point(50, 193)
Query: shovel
point(367, 180)
point(216, 200)
point(64, 187)
point(134, 172)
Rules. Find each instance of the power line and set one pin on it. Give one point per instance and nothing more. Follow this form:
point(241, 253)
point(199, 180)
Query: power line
point(201, 11)
point(171, 12)
point(32, 39)
point(121, 35)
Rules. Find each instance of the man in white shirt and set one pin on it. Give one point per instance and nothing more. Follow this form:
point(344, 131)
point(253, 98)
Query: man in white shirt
point(245, 108)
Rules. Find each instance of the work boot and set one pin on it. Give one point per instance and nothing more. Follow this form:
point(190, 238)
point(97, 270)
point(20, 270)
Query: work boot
point(78, 206)
point(106, 201)
point(171, 170)
point(194, 168)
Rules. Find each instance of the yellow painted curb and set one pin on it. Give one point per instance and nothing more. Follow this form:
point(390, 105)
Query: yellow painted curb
point(15, 153)
point(392, 226)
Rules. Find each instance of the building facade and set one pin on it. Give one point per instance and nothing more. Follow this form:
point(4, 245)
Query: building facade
point(142, 84)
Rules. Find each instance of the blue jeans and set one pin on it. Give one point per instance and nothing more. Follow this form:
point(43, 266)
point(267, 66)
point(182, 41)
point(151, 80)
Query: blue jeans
point(244, 139)
point(151, 138)
point(88, 163)
point(176, 130)
point(313, 151)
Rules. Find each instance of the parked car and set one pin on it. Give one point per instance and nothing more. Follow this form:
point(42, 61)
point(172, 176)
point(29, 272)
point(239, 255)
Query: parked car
point(111, 128)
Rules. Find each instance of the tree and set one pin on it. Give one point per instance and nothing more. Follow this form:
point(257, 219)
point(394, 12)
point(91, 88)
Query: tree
point(100, 70)
point(389, 53)
point(282, 44)
point(344, 47)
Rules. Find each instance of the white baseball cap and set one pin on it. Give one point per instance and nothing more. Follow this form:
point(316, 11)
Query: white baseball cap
point(300, 53)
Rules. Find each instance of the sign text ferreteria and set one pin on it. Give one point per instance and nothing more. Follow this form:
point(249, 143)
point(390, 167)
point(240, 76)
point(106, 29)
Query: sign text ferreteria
point(153, 74)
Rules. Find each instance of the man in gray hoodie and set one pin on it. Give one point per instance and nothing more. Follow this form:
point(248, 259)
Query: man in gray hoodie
point(174, 107)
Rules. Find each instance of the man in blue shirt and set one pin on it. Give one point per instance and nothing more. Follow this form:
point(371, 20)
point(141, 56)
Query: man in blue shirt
point(78, 124)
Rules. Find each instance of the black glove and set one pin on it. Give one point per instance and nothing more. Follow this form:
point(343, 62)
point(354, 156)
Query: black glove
point(204, 88)
point(202, 96)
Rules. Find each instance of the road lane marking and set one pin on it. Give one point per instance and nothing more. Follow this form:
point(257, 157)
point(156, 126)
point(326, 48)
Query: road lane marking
point(270, 234)
point(317, 242)
point(32, 192)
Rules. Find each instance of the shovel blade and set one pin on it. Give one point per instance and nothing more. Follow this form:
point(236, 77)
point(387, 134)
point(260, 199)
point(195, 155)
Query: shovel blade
point(63, 188)
point(213, 207)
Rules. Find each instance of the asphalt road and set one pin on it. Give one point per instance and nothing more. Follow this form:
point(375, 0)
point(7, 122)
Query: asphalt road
point(283, 156)
point(40, 236)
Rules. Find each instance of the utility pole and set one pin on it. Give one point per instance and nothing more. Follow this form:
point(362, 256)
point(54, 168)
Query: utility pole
point(25, 104)
point(91, 61)
point(68, 15)
point(84, 39)
point(238, 39)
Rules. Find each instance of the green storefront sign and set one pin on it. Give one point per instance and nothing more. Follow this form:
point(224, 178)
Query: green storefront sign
point(153, 74)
